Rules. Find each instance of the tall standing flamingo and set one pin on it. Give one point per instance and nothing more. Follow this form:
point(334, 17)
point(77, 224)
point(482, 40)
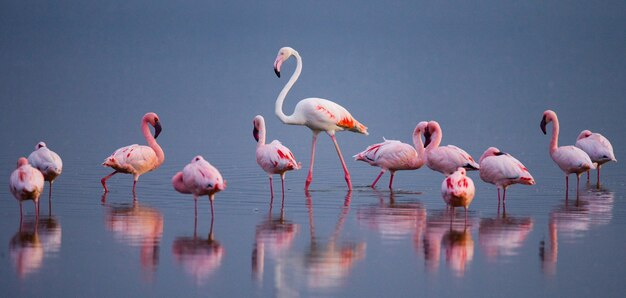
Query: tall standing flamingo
point(26, 183)
point(136, 159)
point(315, 113)
point(199, 178)
point(445, 159)
point(458, 190)
point(273, 158)
point(502, 169)
point(597, 147)
point(570, 159)
point(47, 162)
point(392, 155)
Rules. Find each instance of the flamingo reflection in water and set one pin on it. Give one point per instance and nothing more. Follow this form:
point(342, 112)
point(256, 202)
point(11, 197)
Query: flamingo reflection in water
point(503, 235)
point(396, 220)
point(138, 226)
point(445, 231)
point(571, 221)
point(35, 240)
point(322, 265)
point(274, 235)
point(200, 257)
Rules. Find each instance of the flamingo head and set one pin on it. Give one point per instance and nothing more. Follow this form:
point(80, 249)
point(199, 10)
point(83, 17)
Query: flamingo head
point(153, 119)
point(258, 123)
point(22, 161)
point(39, 145)
point(283, 55)
point(427, 135)
point(491, 151)
point(548, 116)
point(584, 134)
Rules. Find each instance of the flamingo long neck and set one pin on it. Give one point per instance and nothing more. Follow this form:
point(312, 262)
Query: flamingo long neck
point(283, 93)
point(436, 135)
point(419, 146)
point(152, 142)
point(554, 142)
point(261, 141)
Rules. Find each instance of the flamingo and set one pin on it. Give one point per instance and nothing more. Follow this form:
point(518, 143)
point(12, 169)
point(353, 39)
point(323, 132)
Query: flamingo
point(136, 159)
point(273, 158)
point(502, 169)
point(392, 155)
point(26, 183)
point(47, 162)
point(570, 159)
point(315, 113)
point(199, 178)
point(597, 147)
point(445, 159)
point(458, 190)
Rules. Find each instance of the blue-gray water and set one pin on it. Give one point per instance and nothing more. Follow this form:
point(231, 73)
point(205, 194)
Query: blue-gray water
point(79, 76)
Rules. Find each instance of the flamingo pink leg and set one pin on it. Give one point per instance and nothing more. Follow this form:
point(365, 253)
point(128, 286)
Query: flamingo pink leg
point(211, 200)
point(587, 176)
point(309, 178)
point(377, 178)
point(134, 186)
point(566, 186)
point(577, 184)
point(343, 163)
point(195, 206)
point(271, 187)
point(50, 200)
point(104, 181)
point(391, 179)
point(282, 182)
point(498, 200)
point(598, 180)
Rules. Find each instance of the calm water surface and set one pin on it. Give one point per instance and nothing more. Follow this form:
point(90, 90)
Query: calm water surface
point(80, 76)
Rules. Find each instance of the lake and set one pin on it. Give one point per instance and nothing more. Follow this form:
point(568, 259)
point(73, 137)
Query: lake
point(85, 75)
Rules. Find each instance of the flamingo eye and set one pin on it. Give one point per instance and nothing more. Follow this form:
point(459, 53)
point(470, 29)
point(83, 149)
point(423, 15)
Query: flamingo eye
point(197, 158)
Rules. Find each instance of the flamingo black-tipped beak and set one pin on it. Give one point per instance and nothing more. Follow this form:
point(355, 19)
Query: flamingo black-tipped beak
point(499, 153)
point(470, 167)
point(157, 129)
point(255, 133)
point(277, 63)
point(543, 125)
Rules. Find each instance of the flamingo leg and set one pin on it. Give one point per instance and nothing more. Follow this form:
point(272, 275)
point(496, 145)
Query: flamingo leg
point(20, 213)
point(376, 180)
point(104, 181)
point(282, 182)
point(504, 202)
point(271, 187)
point(195, 206)
point(211, 197)
point(598, 179)
point(588, 176)
point(50, 200)
point(566, 186)
point(135, 185)
point(391, 179)
point(498, 201)
point(577, 184)
point(309, 177)
point(36, 211)
point(343, 163)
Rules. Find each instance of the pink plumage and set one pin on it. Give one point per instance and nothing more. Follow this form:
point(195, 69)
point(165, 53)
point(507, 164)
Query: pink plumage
point(598, 148)
point(570, 159)
point(457, 189)
point(315, 113)
point(502, 170)
point(136, 159)
point(199, 178)
point(273, 158)
point(47, 162)
point(26, 183)
point(445, 159)
point(392, 155)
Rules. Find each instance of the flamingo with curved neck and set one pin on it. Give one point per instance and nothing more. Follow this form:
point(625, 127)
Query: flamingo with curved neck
point(273, 158)
point(315, 113)
point(136, 159)
point(392, 155)
point(445, 159)
point(570, 159)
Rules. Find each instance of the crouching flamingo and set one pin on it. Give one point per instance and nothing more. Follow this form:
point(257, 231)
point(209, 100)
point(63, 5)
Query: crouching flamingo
point(597, 147)
point(392, 155)
point(26, 183)
point(199, 178)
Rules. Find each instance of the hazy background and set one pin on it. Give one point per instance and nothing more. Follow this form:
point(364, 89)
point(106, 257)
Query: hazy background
point(79, 75)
